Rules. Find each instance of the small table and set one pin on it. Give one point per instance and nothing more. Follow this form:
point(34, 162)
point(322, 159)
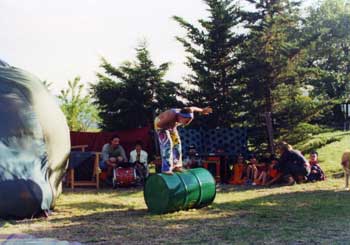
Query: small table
point(221, 164)
point(217, 167)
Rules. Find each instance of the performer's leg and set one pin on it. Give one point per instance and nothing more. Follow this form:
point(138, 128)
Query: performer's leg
point(177, 149)
point(166, 150)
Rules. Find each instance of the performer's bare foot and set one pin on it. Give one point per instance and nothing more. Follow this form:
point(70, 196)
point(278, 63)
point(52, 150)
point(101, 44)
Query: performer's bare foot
point(168, 172)
point(178, 169)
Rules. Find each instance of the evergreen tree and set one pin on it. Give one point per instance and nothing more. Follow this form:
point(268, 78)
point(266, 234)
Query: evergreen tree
point(273, 52)
point(212, 52)
point(329, 56)
point(128, 96)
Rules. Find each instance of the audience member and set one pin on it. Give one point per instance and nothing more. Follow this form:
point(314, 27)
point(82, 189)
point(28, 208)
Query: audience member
point(192, 159)
point(292, 164)
point(113, 155)
point(139, 158)
point(273, 175)
point(316, 173)
point(238, 170)
point(262, 168)
point(252, 170)
point(261, 173)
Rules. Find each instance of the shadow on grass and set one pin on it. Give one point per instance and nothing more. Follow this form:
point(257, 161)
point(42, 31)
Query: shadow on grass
point(291, 218)
point(119, 192)
point(237, 188)
point(93, 206)
point(338, 175)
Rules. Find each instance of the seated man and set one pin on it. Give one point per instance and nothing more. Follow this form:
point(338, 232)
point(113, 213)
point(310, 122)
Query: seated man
point(139, 158)
point(113, 155)
point(192, 160)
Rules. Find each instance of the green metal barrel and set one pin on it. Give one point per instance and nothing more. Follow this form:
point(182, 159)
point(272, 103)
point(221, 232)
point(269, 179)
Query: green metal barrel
point(207, 186)
point(193, 188)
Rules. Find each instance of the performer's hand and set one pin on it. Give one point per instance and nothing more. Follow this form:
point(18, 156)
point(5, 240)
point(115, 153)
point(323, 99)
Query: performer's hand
point(207, 110)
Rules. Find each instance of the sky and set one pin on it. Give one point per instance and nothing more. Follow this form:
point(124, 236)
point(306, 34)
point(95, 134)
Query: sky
point(59, 40)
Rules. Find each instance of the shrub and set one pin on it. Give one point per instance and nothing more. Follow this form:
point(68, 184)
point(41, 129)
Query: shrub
point(301, 132)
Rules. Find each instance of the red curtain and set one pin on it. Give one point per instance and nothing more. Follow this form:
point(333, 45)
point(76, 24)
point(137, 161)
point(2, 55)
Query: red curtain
point(95, 141)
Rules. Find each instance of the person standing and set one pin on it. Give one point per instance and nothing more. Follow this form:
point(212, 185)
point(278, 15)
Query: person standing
point(169, 140)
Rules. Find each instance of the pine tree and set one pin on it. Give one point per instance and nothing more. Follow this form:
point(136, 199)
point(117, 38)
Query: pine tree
point(273, 52)
point(329, 55)
point(128, 96)
point(212, 52)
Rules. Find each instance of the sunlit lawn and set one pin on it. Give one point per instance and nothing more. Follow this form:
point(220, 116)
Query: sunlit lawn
point(313, 213)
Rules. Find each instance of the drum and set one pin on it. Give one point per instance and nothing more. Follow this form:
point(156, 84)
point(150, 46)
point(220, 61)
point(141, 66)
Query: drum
point(125, 176)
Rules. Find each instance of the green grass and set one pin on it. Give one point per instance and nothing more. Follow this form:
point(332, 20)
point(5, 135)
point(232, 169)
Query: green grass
point(329, 153)
point(313, 213)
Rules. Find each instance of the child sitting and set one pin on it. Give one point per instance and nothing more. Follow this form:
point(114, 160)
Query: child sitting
point(316, 171)
point(255, 171)
point(272, 172)
point(261, 172)
point(238, 171)
point(252, 171)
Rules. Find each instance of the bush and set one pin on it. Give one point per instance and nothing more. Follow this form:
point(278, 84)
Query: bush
point(313, 144)
point(301, 132)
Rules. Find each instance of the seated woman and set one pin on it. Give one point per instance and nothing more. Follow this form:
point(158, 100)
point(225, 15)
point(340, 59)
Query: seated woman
point(316, 173)
point(238, 171)
point(292, 165)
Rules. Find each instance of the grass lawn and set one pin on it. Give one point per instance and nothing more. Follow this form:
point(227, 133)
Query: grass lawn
point(312, 213)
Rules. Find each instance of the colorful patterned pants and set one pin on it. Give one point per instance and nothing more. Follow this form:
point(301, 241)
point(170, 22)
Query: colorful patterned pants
point(170, 149)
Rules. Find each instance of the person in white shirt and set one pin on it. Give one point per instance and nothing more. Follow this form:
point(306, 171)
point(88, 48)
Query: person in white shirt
point(192, 160)
point(139, 158)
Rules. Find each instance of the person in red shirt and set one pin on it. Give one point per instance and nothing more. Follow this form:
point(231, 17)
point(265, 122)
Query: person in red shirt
point(272, 172)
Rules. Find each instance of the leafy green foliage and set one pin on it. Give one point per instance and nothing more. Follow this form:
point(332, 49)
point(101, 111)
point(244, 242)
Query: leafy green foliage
point(212, 55)
point(238, 215)
point(273, 54)
point(79, 110)
point(328, 55)
point(294, 66)
point(301, 132)
point(128, 96)
point(323, 141)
